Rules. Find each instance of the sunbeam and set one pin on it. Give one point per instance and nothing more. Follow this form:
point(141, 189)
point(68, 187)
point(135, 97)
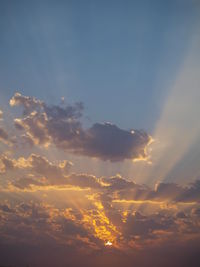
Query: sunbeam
point(178, 127)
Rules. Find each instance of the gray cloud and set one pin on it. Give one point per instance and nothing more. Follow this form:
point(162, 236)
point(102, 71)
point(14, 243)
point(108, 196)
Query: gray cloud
point(7, 164)
point(1, 114)
point(170, 192)
point(29, 103)
point(83, 181)
point(37, 170)
point(80, 230)
point(27, 183)
point(43, 225)
point(143, 226)
point(3, 135)
point(45, 125)
point(191, 193)
point(107, 141)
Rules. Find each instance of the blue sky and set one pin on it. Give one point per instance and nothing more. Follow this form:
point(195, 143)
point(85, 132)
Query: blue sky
point(119, 58)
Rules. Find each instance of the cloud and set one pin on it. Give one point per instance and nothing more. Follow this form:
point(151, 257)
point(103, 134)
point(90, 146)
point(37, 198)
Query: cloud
point(45, 125)
point(163, 192)
point(191, 193)
point(143, 226)
point(107, 141)
point(118, 183)
point(83, 228)
point(83, 181)
point(1, 114)
point(40, 223)
point(35, 172)
point(28, 183)
point(178, 193)
point(167, 191)
point(6, 164)
point(4, 136)
point(54, 174)
point(5, 208)
point(43, 224)
point(29, 103)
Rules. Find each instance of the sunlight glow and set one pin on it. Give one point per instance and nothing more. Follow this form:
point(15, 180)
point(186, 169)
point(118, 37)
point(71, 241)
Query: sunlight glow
point(108, 243)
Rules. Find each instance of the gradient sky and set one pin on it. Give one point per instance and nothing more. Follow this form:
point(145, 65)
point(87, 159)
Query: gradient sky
point(99, 133)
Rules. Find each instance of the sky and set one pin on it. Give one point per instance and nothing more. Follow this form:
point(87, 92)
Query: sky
point(99, 133)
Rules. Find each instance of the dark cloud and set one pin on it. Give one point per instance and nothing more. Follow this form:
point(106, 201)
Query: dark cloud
point(62, 113)
point(107, 141)
point(177, 193)
point(6, 164)
point(167, 191)
point(191, 193)
point(83, 181)
point(142, 226)
point(42, 224)
point(5, 208)
point(59, 125)
point(118, 183)
point(54, 174)
point(82, 229)
point(145, 240)
point(3, 135)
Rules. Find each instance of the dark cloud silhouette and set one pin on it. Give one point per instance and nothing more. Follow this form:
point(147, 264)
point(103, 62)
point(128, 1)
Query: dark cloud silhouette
point(5, 208)
point(143, 226)
point(3, 135)
point(118, 183)
point(45, 125)
point(167, 191)
point(83, 181)
point(107, 141)
point(144, 240)
point(170, 192)
point(191, 193)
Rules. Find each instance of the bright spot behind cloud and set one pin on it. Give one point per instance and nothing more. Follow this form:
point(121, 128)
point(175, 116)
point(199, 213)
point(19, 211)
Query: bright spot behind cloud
point(108, 243)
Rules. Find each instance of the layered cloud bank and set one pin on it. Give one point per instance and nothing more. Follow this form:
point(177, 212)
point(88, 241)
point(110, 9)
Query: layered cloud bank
point(110, 209)
point(37, 172)
point(47, 205)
